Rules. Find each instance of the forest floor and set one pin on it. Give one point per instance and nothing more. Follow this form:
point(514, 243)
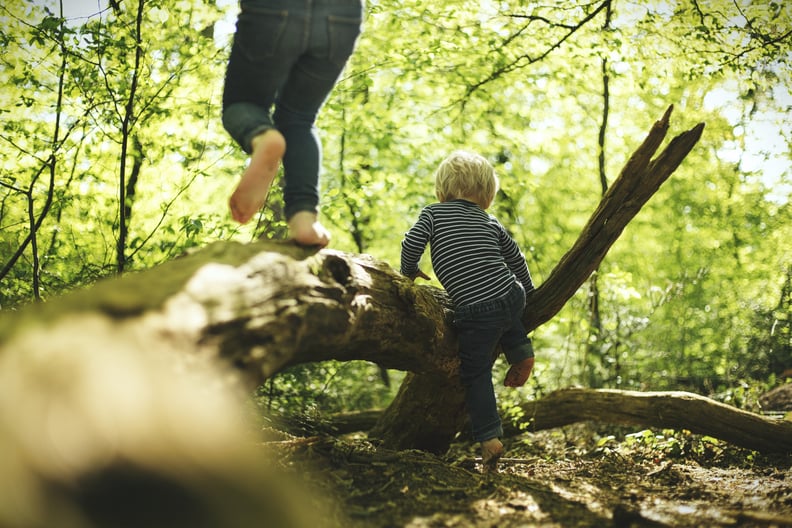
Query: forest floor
point(569, 477)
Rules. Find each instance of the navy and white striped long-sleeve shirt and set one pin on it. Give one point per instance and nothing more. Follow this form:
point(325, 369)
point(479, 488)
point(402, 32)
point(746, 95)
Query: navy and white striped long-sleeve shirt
point(473, 256)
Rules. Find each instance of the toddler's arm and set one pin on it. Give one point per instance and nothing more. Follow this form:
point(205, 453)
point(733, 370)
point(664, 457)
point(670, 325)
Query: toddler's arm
point(414, 244)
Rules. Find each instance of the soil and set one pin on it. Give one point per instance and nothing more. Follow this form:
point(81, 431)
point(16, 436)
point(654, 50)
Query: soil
point(570, 477)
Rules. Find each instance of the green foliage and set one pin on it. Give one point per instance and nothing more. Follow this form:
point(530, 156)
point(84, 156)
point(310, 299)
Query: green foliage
point(310, 393)
point(694, 294)
point(667, 444)
point(662, 448)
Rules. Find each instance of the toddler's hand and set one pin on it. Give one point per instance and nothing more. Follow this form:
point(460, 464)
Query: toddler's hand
point(420, 275)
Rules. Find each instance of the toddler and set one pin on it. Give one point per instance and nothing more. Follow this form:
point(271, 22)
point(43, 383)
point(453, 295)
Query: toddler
point(486, 276)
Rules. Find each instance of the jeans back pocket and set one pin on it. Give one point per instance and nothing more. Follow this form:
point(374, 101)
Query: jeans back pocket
point(342, 33)
point(260, 31)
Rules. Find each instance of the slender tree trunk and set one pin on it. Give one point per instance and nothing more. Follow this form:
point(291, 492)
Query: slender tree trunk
point(594, 344)
point(134, 176)
point(50, 164)
point(127, 122)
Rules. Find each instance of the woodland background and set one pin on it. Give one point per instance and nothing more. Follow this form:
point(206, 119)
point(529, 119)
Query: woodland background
point(113, 159)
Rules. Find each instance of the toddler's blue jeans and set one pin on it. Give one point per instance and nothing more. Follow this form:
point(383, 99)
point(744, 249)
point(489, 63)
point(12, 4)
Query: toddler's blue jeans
point(288, 54)
point(480, 327)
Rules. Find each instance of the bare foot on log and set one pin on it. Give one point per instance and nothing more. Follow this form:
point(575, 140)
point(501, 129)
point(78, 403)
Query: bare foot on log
point(306, 230)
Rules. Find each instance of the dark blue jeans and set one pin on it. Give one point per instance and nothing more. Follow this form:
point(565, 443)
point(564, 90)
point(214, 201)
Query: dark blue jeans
point(288, 55)
point(480, 328)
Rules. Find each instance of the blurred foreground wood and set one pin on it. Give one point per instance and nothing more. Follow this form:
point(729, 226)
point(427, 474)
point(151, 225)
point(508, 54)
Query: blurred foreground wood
point(97, 430)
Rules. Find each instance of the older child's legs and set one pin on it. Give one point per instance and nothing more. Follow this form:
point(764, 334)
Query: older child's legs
point(335, 27)
point(265, 46)
point(292, 62)
point(301, 165)
point(251, 192)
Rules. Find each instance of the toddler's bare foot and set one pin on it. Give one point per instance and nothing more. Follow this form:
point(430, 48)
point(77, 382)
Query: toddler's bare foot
point(251, 193)
point(491, 451)
point(519, 373)
point(306, 230)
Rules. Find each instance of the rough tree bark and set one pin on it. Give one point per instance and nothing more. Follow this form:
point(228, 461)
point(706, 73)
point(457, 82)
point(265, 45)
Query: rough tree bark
point(250, 310)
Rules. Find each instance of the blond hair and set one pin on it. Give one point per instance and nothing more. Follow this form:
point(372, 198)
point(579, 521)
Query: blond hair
point(468, 176)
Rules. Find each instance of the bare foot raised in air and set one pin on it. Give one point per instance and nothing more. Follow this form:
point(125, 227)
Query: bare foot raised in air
point(519, 373)
point(306, 230)
point(251, 193)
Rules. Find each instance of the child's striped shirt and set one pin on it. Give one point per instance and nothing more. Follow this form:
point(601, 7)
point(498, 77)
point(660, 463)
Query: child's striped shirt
point(472, 255)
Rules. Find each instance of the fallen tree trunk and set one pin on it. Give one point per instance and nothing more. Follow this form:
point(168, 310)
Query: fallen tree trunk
point(261, 307)
point(671, 410)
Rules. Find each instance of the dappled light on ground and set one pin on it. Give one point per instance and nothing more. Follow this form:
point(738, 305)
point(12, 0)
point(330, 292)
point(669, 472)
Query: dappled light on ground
point(575, 476)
